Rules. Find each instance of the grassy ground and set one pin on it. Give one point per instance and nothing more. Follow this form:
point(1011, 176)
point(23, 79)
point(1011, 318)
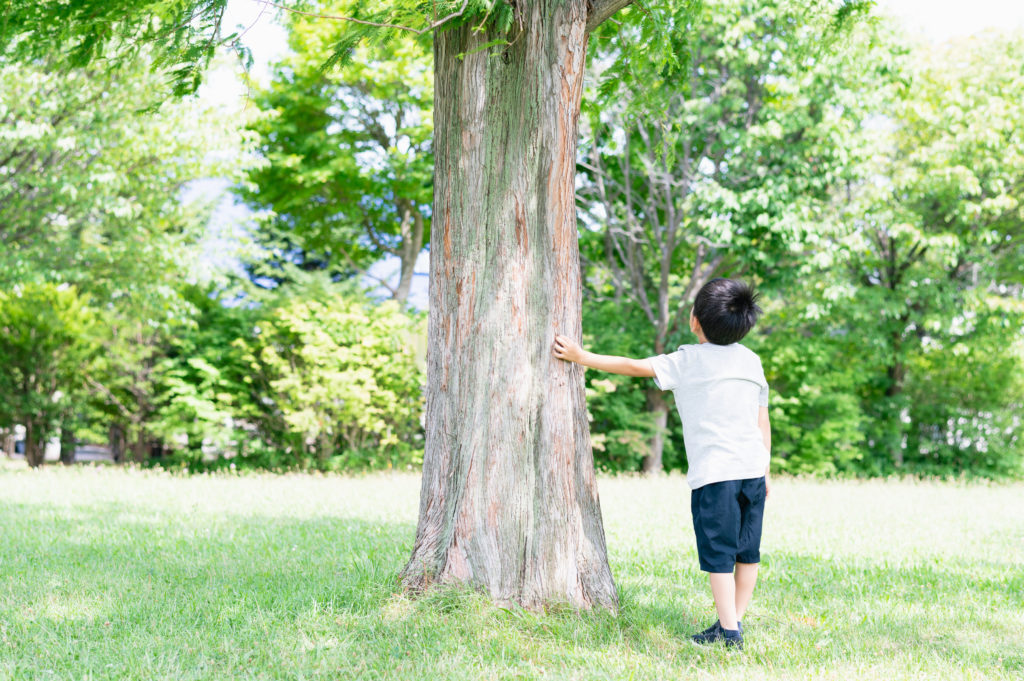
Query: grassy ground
point(125, 574)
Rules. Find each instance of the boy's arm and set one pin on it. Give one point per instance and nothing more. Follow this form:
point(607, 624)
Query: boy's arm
point(567, 349)
point(766, 435)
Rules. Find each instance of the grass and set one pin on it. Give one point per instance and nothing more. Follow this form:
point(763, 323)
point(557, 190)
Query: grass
point(110, 573)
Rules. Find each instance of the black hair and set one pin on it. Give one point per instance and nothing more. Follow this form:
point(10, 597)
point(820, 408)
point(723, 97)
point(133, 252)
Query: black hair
point(726, 309)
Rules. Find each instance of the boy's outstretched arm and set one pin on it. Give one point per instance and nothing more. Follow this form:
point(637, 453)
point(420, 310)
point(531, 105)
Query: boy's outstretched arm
point(569, 350)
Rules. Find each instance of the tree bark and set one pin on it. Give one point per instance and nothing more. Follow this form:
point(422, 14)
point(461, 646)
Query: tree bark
point(67, 446)
point(116, 438)
point(509, 499)
point(35, 449)
point(141, 447)
point(412, 244)
point(7, 440)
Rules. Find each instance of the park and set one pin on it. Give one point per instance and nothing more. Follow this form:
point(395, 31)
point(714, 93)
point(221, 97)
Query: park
point(328, 331)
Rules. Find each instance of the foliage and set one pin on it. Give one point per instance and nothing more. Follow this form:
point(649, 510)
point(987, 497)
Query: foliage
point(184, 35)
point(92, 182)
point(93, 197)
point(46, 336)
point(80, 33)
point(338, 378)
point(201, 394)
point(722, 165)
point(926, 276)
point(349, 167)
point(311, 375)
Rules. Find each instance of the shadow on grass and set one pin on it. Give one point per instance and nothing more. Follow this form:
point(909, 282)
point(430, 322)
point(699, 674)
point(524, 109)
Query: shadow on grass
point(122, 594)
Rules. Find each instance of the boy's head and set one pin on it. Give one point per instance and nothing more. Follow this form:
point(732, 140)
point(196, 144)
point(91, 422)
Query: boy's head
point(726, 310)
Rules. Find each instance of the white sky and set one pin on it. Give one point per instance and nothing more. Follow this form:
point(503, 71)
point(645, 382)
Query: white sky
point(941, 20)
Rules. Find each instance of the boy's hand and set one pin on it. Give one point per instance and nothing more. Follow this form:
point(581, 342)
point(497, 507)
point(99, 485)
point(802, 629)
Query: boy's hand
point(567, 349)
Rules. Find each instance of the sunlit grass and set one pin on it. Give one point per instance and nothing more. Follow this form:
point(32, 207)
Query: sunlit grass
point(110, 573)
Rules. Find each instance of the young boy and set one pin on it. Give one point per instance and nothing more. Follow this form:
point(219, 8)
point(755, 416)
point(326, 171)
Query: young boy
point(722, 398)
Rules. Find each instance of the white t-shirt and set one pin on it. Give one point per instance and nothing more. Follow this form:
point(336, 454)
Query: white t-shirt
point(718, 389)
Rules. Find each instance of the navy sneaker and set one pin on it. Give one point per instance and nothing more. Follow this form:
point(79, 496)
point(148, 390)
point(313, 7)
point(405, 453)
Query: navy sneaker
point(715, 633)
point(712, 634)
point(733, 639)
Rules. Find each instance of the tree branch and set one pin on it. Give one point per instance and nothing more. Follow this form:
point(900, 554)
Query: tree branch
point(417, 31)
point(603, 9)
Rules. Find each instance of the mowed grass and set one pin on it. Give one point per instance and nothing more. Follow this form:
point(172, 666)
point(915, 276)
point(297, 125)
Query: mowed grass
point(110, 573)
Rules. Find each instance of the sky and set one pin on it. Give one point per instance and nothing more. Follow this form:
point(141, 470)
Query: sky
point(936, 20)
point(940, 20)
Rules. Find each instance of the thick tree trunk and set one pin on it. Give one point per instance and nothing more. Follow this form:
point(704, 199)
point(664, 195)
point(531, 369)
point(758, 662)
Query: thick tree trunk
point(67, 446)
point(35, 447)
point(509, 499)
point(658, 408)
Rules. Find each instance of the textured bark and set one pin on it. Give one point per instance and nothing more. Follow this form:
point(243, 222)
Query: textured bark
point(509, 499)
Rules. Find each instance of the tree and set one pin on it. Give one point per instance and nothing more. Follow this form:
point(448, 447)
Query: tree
point(336, 377)
point(45, 344)
point(92, 198)
point(720, 168)
point(349, 172)
point(509, 500)
point(934, 254)
point(910, 319)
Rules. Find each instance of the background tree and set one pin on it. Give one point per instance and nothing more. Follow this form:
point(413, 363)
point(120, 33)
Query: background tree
point(719, 168)
point(935, 248)
point(93, 198)
point(349, 172)
point(45, 340)
point(340, 375)
point(913, 306)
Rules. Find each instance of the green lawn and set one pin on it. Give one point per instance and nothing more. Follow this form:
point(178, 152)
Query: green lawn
point(127, 574)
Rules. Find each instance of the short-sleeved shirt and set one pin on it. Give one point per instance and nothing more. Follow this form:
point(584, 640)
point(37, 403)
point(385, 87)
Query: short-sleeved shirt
point(718, 389)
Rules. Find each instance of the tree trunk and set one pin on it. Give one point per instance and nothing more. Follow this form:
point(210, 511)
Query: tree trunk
point(658, 407)
point(116, 437)
point(412, 244)
point(67, 446)
point(7, 440)
point(35, 448)
point(509, 499)
point(141, 447)
point(896, 373)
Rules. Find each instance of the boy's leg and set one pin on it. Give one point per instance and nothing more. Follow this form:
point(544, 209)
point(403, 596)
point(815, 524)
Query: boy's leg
point(746, 578)
point(723, 589)
point(752, 499)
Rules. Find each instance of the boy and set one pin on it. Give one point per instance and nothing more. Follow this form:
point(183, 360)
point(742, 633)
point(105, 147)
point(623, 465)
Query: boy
point(722, 398)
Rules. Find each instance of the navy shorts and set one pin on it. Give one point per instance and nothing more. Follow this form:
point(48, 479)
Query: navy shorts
point(727, 521)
